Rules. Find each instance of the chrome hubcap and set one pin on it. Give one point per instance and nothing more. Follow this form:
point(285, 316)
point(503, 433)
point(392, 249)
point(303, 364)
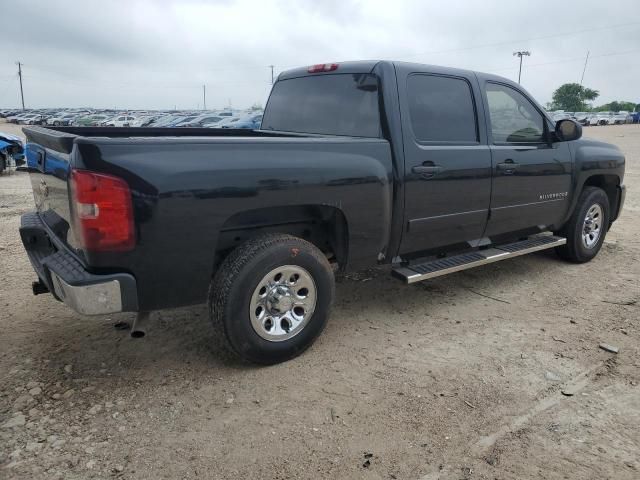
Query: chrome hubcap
point(282, 303)
point(592, 226)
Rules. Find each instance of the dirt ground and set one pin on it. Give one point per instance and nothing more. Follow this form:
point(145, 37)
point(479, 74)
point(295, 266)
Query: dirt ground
point(491, 373)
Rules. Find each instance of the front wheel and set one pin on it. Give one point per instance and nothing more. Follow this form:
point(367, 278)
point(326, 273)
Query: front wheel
point(271, 298)
point(587, 227)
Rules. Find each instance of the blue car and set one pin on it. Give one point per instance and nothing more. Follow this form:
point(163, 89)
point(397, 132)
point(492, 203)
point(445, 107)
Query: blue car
point(11, 147)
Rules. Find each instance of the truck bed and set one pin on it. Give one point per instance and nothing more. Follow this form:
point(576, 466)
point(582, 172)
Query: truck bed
point(195, 191)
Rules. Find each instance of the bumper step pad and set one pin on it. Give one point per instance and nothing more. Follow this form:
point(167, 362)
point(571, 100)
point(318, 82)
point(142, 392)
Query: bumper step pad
point(456, 263)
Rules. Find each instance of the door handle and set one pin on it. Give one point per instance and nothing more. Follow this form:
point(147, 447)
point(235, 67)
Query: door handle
point(427, 170)
point(508, 167)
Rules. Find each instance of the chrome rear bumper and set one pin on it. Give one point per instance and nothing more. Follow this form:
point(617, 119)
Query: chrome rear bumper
point(68, 280)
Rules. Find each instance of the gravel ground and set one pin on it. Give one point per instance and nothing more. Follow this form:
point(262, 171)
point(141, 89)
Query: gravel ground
point(489, 373)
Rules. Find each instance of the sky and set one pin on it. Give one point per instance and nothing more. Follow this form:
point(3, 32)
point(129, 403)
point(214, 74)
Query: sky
point(144, 54)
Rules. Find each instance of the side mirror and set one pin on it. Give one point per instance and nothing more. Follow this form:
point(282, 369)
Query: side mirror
point(567, 130)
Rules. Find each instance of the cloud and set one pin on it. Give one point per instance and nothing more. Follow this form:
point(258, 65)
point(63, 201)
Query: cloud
point(158, 54)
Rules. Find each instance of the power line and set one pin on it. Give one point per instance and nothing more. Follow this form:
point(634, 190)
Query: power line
point(585, 68)
point(508, 42)
point(566, 60)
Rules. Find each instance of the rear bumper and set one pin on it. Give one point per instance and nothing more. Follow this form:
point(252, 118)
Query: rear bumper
point(67, 279)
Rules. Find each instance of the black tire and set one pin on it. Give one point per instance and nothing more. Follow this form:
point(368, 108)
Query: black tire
point(234, 284)
point(575, 250)
point(3, 163)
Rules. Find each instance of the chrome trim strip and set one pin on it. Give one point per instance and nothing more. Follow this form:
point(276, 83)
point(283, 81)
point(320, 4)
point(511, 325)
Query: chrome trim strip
point(540, 202)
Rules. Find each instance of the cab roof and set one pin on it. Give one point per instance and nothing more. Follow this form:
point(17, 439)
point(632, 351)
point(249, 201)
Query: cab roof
point(367, 66)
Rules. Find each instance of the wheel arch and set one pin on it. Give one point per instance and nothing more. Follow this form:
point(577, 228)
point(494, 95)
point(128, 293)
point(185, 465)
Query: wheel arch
point(610, 184)
point(325, 226)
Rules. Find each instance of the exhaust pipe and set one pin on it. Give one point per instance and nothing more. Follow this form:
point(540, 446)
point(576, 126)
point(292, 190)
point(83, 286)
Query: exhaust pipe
point(39, 288)
point(139, 328)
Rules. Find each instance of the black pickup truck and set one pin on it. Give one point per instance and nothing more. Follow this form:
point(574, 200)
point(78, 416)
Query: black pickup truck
point(356, 164)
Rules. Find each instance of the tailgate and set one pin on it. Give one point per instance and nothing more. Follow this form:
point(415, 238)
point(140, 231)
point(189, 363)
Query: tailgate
point(48, 156)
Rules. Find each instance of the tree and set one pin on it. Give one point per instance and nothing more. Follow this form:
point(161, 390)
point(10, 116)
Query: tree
point(616, 107)
point(573, 97)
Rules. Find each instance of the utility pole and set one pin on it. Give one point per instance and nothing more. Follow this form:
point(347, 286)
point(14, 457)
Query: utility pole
point(204, 97)
point(20, 77)
point(585, 68)
point(271, 67)
point(521, 53)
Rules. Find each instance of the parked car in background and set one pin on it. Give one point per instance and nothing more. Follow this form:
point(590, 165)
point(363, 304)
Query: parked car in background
point(9, 112)
point(617, 118)
point(62, 120)
point(15, 118)
point(89, 120)
point(32, 119)
point(600, 118)
point(248, 121)
point(227, 122)
point(200, 120)
point(120, 121)
point(143, 120)
point(582, 117)
point(560, 115)
point(180, 120)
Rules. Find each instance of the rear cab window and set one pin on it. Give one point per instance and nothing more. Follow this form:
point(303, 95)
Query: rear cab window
point(336, 104)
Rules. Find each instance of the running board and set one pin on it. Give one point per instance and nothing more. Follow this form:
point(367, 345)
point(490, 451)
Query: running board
point(443, 266)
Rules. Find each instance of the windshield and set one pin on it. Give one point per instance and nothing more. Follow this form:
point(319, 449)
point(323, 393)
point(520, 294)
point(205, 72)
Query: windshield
point(343, 104)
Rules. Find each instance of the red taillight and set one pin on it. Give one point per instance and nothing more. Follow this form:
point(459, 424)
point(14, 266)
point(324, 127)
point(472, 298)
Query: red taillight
point(323, 67)
point(102, 211)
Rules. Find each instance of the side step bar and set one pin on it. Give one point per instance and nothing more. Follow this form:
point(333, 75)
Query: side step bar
point(443, 266)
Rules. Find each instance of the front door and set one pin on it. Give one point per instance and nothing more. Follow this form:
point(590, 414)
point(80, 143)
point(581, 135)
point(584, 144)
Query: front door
point(531, 176)
point(447, 161)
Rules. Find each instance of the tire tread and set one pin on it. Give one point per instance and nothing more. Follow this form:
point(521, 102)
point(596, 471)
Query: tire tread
point(233, 264)
point(571, 250)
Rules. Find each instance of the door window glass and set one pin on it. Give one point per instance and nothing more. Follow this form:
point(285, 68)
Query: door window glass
point(513, 117)
point(441, 109)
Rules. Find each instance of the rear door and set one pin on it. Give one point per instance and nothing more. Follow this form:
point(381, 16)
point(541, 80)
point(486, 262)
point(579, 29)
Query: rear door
point(531, 175)
point(447, 169)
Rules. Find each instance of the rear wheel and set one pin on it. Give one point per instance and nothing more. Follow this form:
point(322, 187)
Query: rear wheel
point(3, 163)
point(587, 227)
point(271, 298)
